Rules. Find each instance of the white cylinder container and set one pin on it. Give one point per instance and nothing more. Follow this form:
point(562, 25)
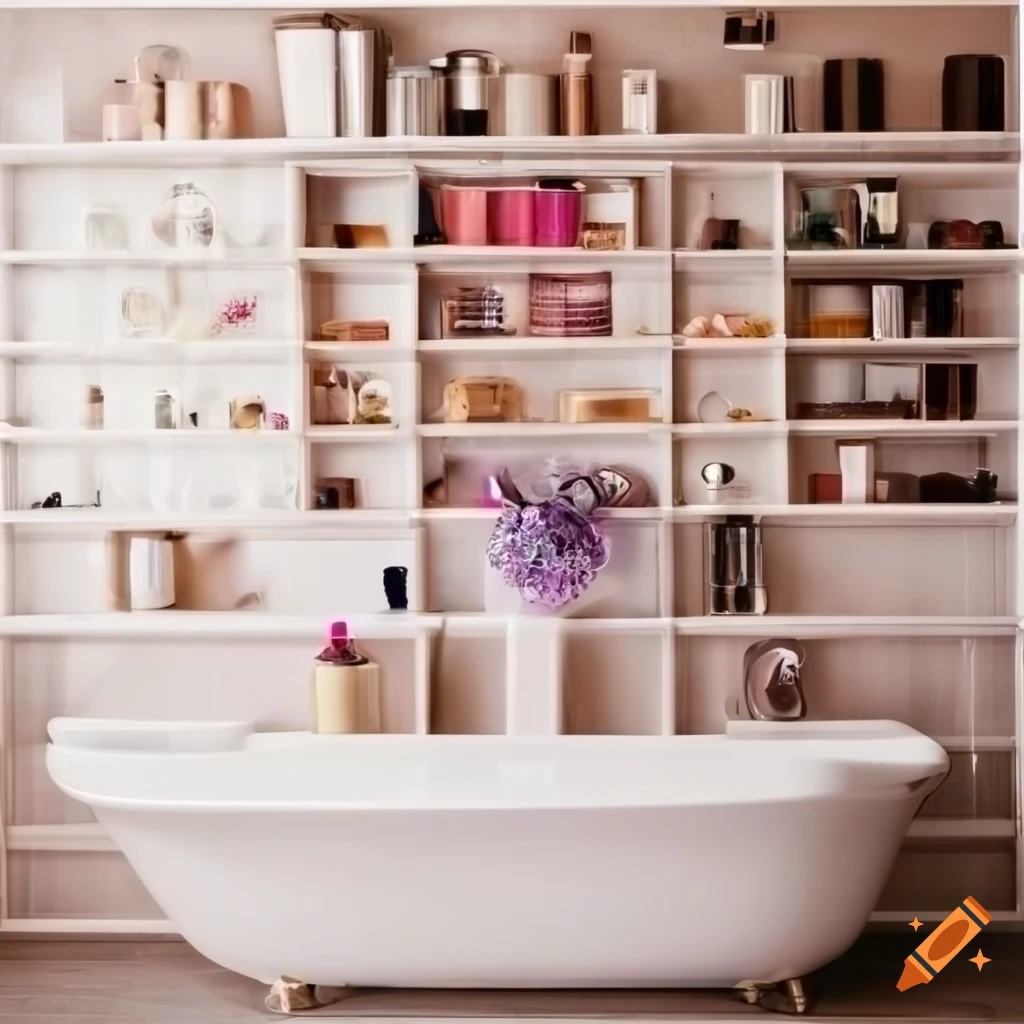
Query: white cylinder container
point(150, 573)
point(183, 111)
point(307, 67)
point(768, 104)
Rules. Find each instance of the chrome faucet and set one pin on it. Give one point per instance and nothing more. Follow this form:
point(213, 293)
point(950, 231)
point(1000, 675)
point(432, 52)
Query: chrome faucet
point(771, 680)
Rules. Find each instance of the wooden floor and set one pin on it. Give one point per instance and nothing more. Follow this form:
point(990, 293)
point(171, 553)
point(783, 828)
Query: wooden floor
point(147, 982)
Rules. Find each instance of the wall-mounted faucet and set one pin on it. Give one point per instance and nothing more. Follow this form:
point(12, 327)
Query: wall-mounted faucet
point(771, 680)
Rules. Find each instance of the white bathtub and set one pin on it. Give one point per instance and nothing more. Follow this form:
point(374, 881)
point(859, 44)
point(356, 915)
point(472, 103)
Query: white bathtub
point(496, 861)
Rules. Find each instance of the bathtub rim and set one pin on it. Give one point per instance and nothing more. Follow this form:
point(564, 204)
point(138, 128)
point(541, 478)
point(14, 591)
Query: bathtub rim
point(838, 772)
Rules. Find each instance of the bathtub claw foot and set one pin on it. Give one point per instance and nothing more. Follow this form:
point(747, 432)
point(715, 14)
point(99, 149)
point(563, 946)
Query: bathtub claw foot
point(796, 995)
point(290, 996)
point(749, 992)
point(787, 997)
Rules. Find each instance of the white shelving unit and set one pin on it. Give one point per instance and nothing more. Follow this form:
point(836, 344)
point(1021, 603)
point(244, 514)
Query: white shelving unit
point(907, 611)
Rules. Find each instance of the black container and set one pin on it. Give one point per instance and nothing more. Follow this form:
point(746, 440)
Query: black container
point(465, 122)
point(973, 93)
point(854, 99)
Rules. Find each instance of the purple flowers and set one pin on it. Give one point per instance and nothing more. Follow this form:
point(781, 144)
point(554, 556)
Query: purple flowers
point(549, 552)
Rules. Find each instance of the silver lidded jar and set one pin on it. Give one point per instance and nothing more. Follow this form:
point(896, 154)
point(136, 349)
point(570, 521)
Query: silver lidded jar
point(472, 81)
point(415, 101)
point(364, 55)
point(529, 105)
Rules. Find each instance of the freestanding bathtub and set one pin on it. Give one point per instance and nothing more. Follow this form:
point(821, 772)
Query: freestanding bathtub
point(463, 861)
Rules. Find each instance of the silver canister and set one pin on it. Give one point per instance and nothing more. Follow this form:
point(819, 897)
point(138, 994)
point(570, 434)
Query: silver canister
point(733, 568)
point(363, 58)
point(770, 104)
point(415, 101)
point(529, 105)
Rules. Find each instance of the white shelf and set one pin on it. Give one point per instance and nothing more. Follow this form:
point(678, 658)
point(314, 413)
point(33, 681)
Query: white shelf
point(725, 261)
point(963, 828)
point(737, 430)
point(91, 519)
point(937, 144)
point(901, 428)
point(409, 625)
point(91, 837)
point(853, 262)
point(879, 514)
point(356, 433)
point(514, 430)
point(843, 626)
point(728, 346)
point(240, 257)
point(254, 625)
point(86, 926)
point(867, 346)
point(516, 345)
point(236, 350)
point(192, 435)
point(460, 254)
point(372, 5)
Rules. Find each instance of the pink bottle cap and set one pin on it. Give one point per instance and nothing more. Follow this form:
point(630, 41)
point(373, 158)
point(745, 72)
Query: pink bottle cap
point(339, 633)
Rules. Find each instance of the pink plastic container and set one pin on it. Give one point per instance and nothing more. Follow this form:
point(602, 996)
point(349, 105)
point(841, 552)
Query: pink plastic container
point(464, 215)
point(557, 215)
point(510, 213)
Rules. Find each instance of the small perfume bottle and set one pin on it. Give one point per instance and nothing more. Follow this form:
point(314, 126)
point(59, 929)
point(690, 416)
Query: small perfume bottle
point(345, 687)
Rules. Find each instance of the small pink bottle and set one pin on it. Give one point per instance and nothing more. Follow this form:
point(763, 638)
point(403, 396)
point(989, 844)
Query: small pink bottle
point(345, 687)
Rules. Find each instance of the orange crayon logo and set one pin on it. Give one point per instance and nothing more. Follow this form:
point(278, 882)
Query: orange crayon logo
point(943, 944)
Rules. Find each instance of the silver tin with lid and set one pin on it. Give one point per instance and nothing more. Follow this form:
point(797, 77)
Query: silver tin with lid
point(529, 105)
point(415, 101)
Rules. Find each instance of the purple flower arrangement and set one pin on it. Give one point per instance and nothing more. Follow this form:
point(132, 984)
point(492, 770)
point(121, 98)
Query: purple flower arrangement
point(549, 551)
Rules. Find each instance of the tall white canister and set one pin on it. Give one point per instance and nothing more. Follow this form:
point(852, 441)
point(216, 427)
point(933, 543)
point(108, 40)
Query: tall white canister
point(307, 65)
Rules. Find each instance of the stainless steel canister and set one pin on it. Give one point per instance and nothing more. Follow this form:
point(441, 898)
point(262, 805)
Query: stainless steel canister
point(363, 58)
point(529, 105)
point(415, 101)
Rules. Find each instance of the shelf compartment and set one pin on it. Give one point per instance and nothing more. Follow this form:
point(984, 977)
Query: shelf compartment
point(916, 453)
point(542, 381)
point(275, 573)
point(757, 383)
point(609, 688)
point(467, 686)
point(817, 570)
point(210, 472)
point(83, 307)
point(939, 684)
point(48, 216)
point(929, 873)
point(60, 885)
point(640, 301)
point(52, 398)
point(385, 293)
